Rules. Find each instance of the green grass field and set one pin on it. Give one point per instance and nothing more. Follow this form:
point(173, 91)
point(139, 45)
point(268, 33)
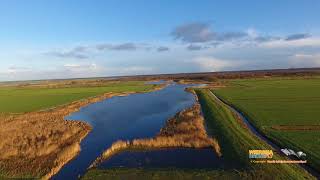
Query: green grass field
point(158, 174)
point(26, 99)
point(270, 102)
point(235, 142)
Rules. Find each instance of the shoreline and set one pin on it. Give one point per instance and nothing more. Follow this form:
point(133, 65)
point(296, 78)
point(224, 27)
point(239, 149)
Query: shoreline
point(92, 101)
point(185, 129)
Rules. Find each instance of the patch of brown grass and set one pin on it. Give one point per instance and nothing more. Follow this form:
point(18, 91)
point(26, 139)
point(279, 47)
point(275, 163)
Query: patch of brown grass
point(38, 144)
point(115, 147)
point(185, 129)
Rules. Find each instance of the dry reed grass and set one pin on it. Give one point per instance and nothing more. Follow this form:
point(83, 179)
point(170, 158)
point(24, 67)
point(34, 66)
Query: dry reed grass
point(38, 144)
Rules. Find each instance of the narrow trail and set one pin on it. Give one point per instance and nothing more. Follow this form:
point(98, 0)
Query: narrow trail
point(262, 136)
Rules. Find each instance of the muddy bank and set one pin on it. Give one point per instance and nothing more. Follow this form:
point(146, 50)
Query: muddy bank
point(39, 144)
point(186, 129)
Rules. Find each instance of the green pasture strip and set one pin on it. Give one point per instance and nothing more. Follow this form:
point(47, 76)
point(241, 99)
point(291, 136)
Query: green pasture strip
point(160, 174)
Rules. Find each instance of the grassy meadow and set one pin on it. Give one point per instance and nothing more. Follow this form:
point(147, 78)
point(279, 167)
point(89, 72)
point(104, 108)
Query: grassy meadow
point(158, 174)
point(236, 140)
point(288, 103)
point(19, 99)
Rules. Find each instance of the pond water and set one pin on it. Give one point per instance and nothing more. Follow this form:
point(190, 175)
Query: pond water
point(125, 117)
point(167, 158)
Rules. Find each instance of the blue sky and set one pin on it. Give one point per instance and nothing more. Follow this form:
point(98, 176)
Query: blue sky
point(42, 39)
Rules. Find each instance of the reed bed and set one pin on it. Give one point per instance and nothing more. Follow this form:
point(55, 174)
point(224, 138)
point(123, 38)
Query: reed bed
point(38, 144)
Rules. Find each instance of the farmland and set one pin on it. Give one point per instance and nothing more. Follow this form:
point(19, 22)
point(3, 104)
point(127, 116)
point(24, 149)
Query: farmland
point(19, 99)
point(235, 141)
point(285, 110)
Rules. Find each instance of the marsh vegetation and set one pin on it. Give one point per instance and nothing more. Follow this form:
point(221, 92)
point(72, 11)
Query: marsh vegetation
point(39, 143)
point(36, 140)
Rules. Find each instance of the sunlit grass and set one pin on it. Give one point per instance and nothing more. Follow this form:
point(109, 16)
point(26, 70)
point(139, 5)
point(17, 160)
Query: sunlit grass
point(269, 102)
point(26, 99)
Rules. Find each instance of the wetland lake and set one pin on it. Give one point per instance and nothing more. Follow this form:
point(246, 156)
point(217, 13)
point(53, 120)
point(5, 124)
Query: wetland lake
point(131, 117)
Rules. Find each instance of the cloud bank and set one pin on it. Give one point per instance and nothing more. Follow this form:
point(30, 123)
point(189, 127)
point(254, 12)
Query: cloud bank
point(200, 32)
point(194, 47)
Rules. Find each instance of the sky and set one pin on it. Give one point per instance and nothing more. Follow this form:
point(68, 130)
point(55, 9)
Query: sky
point(44, 39)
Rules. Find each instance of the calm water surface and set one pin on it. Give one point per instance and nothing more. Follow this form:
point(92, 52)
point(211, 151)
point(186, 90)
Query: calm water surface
point(126, 118)
point(167, 158)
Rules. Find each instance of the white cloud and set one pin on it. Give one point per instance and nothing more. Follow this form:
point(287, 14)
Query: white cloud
point(75, 70)
point(304, 56)
point(137, 68)
point(15, 72)
point(91, 66)
point(133, 70)
point(212, 64)
point(82, 70)
point(293, 43)
point(252, 33)
point(72, 65)
point(16, 69)
point(305, 60)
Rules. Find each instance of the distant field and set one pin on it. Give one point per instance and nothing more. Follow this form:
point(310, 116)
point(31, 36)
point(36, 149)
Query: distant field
point(31, 98)
point(272, 102)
